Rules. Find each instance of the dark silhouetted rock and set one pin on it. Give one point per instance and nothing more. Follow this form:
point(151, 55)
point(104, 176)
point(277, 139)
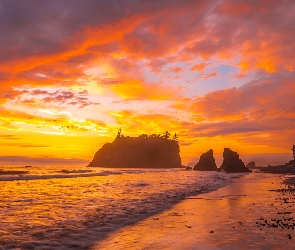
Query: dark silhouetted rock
point(278, 169)
point(206, 162)
point(290, 163)
point(232, 162)
point(138, 152)
point(251, 165)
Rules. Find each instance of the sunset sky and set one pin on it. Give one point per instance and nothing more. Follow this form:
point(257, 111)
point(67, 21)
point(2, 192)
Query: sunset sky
point(219, 73)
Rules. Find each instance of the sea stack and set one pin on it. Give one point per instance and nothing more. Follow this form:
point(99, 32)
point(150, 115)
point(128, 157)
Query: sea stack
point(206, 162)
point(232, 162)
point(251, 165)
point(138, 152)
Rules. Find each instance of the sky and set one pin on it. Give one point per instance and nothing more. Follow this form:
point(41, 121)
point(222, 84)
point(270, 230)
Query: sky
point(218, 73)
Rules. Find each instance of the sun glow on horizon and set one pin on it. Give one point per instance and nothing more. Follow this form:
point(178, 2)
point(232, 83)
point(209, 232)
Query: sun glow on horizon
point(199, 69)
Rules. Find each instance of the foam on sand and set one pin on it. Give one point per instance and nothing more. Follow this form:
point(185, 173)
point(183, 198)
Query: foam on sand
point(232, 217)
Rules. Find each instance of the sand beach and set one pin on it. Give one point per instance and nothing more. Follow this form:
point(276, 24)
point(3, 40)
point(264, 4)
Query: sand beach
point(254, 212)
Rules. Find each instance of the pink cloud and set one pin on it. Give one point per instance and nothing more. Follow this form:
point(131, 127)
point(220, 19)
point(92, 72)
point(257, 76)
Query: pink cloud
point(214, 73)
point(239, 75)
point(261, 107)
point(137, 41)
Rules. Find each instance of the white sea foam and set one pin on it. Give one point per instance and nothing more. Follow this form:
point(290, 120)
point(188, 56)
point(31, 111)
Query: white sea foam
point(43, 208)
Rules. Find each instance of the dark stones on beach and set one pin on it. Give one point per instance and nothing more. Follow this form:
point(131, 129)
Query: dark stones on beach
point(232, 162)
point(282, 220)
point(206, 162)
point(285, 223)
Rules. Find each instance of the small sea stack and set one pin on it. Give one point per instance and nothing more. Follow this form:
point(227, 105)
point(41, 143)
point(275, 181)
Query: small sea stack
point(251, 165)
point(232, 162)
point(206, 162)
point(290, 163)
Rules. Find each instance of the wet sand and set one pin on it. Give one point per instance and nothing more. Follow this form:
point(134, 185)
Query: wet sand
point(254, 212)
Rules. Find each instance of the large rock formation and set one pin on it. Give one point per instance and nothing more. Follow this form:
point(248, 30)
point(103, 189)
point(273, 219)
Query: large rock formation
point(138, 152)
point(206, 162)
point(232, 162)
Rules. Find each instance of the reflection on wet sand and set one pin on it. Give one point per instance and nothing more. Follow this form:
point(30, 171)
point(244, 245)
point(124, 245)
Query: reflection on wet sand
point(68, 211)
point(227, 218)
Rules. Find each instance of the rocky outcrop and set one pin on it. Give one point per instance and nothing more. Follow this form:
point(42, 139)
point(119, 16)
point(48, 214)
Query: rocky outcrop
point(138, 152)
point(206, 162)
point(291, 163)
point(251, 165)
point(232, 162)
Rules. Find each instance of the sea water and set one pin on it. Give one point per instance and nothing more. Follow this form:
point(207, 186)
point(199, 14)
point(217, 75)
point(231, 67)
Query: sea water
point(74, 207)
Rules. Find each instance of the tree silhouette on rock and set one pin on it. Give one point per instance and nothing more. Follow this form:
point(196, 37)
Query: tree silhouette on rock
point(166, 135)
point(119, 133)
point(175, 138)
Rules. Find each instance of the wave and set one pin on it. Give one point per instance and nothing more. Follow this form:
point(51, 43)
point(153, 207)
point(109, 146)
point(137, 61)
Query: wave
point(85, 211)
point(68, 174)
point(79, 171)
point(12, 172)
point(13, 175)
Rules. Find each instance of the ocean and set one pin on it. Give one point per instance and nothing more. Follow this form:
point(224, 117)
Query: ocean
point(72, 207)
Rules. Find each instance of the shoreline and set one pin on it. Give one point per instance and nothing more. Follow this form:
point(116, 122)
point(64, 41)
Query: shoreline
point(252, 212)
point(81, 217)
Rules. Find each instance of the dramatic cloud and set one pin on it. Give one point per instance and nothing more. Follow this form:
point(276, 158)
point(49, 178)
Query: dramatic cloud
point(260, 112)
point(212, 71)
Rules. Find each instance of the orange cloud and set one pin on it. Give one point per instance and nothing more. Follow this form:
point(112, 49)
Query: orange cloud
point(14, 120)
point(136, 123)
point(124, 51)
point(136, 90)
point(176, 69)
point(199, 67)
point(263, 107)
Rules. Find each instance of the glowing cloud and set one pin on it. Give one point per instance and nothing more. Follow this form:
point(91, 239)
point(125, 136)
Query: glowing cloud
point(213, 71)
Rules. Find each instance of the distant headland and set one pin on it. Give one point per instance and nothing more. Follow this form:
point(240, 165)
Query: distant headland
point(145, 151)
point(163, 151)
